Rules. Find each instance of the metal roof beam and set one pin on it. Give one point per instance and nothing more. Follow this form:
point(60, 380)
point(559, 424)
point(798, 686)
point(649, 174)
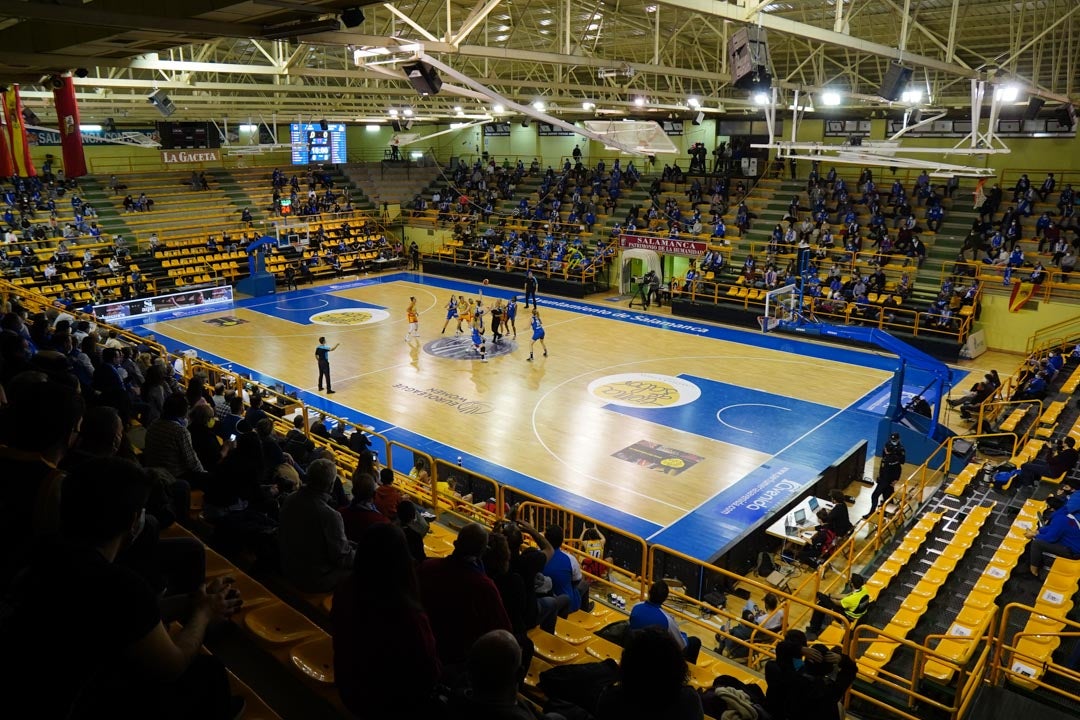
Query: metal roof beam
point(779, 24)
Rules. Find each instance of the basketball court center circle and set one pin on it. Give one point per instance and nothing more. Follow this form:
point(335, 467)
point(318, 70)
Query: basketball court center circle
point(644, 390)
point(460, 347)
point(349, 316)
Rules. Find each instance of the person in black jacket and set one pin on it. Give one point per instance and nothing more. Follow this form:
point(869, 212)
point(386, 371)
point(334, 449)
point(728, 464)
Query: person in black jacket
point(806, 683)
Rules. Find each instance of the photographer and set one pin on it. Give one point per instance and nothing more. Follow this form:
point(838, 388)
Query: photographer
point(652, 294)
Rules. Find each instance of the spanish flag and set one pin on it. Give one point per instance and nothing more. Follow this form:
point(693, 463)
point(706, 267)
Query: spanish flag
point(20, 148)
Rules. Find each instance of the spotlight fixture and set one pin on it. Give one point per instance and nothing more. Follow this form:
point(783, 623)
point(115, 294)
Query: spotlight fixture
point(1006, 93)
point(407, 112)
point(588, 105)
point(639, 101)
point(693, 102)
point(539, 105)
point(912, 95)
point(392, 112)
point(830, 98)
point(761, 98)
point(498, 109)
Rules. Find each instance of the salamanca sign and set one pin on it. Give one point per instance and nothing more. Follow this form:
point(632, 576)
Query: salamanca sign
point(180, 157)
point(663, 245)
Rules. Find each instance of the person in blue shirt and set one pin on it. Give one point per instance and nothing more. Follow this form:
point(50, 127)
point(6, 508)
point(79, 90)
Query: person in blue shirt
point(651, 614)
point(538, 334)
point(1061, 536)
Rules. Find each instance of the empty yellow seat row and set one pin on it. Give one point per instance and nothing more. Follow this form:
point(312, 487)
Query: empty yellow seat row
point(963, 478)
point(1051, 413)
point(1013, 421)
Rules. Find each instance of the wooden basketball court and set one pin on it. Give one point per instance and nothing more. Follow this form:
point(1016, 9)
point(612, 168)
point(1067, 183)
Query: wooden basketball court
point(657, 429)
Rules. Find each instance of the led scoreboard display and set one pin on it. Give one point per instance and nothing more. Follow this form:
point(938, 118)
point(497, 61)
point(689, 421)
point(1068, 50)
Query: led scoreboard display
point(312, 144)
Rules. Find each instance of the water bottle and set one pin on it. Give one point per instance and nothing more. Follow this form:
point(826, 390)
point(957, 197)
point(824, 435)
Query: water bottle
point(459, 461)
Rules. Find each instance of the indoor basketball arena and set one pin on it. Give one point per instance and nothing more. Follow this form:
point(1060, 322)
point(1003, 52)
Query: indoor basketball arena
point(540, 360)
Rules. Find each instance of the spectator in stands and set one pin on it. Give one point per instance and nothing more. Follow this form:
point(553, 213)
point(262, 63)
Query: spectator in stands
point(315, 554)
point(118, 659)
point(37, 429)
point(378, 607)
point(807, 683)
point(204, 440)
point(415, 527)
point(853, 605)
point(650, 614)
point(565, 573)
point(387, 496)
point(1033, 389)
point(771, 618)
point(362, 511)
point(1061, 458)
point(168, 443)
point(652, 682)
point(462, 602)
point(1060, 536)
point(493, 679)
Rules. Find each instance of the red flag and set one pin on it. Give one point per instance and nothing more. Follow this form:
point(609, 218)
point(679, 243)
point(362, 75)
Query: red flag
point(67, 116)
point(20, 147)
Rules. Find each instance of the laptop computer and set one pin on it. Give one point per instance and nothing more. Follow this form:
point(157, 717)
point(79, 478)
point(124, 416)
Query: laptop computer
point(800, 517)
point(814, 504)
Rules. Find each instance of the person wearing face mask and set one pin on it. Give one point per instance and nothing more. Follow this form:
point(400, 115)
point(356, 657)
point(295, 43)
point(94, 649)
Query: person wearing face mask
point(117, 658)
point(806, 683)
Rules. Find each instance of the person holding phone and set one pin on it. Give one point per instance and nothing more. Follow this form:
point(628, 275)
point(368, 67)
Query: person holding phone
point(322, 357)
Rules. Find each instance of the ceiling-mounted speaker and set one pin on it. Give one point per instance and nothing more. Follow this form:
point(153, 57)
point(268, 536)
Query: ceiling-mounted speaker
point(748, 51)
point(1066, 115)
point(109, 125)
point(896, 79)
point(396, 124)
point(161, 101)
point(916, 116)
point(323, 125)
point(1035, 104)
point(408, 125)
point(698, 118)
point(525, 122)
point(352, 16)
point(423, 77)
point(30, 117)
point(81, 72)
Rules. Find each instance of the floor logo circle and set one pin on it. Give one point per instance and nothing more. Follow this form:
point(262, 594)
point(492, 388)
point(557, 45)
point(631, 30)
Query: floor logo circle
point(644, 390)
point(460, 347)
point(350, 316)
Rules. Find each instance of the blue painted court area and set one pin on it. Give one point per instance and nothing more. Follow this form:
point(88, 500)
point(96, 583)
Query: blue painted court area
point(737, 415)
point(300, 309)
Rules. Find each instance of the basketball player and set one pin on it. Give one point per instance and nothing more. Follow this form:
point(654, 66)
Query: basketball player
point(538, 334)
point(478, 341)
point(414, 321)
point(451, 314)
point(496, 323)
point(466, 312)
point(510, 314)
point(322, 356)
point(478, 312)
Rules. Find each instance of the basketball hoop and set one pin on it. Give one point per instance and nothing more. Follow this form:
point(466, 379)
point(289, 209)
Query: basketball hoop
point(768, 324)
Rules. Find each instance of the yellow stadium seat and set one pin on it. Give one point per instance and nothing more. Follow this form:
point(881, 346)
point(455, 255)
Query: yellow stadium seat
point(315, 659)
point(537, 666)
point(571, 632)
point(602, 649)
point(597, 618)
point(554, 650)
point(279, 624)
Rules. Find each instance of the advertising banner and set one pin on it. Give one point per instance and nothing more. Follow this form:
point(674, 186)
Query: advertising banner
point(184, 157)
point(663, 245)
point(163, 303)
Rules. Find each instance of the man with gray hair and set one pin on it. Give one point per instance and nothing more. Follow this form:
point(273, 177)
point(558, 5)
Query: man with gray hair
point(315, 554)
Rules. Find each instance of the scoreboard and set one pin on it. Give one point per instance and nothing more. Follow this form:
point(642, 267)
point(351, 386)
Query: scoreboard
point(188, 135)
point(311, 144)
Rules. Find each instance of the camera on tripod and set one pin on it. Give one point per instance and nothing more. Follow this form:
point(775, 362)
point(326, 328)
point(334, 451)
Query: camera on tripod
point(637, 279)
